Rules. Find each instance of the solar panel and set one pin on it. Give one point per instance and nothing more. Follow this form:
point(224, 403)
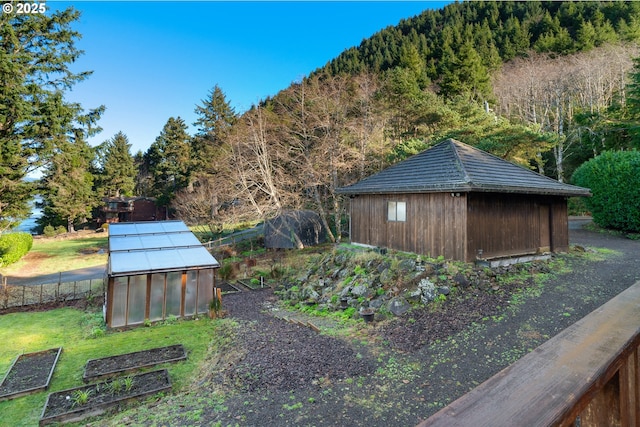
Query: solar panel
point(144, 247)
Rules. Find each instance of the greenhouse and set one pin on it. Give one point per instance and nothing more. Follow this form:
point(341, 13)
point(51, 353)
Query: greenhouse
point(156, 270)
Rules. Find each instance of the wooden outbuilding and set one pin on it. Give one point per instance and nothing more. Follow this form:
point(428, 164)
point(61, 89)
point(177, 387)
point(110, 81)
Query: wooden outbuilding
point(156, 270)
point(457, 201)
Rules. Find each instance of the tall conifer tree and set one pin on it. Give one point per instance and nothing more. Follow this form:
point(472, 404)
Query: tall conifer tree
point(169, 160)
point(118, 172)
point(216, 116)
point(36, 51)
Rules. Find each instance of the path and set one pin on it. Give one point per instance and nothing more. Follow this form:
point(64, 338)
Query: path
point(87, 273)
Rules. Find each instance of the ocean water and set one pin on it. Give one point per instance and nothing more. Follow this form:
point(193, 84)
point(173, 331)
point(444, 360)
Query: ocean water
point(28, 224)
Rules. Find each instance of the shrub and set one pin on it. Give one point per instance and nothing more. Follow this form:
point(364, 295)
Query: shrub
point(226, 271)
point(61, 229)
point(14, 246)
point(49, 231)
point(614, 180)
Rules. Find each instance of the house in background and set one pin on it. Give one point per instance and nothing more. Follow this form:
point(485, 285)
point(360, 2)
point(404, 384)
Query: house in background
point(128, 209)
point(155, 270)
point(462, 203)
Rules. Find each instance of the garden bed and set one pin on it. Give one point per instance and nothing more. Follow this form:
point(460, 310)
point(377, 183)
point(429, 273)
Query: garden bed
point(29, 373)
point(78, 403)
point(113, 365)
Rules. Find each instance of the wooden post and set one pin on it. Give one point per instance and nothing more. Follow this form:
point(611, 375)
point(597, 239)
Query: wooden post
point(629, 385)
point(6, 292)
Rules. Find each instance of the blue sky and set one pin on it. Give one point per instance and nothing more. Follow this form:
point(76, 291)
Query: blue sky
point(156, 59)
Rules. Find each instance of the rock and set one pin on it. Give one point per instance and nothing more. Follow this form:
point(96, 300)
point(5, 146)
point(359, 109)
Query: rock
point(308, 293)
point(461, 280)
point(407, 265)
point(345, 292)
point(376, 303)
point(383, 266)
point(415, 294)
point(359, 290)
point(444, 290)
point(398, 306)
point(427, 291)
point(386, 276)
point(429, 268)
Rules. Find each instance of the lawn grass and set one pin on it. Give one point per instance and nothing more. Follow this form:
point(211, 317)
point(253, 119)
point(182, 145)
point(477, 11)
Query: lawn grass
point(74, 331)
point(55, 254)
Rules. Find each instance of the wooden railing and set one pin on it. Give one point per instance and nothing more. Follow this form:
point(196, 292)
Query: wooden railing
point(588, 375)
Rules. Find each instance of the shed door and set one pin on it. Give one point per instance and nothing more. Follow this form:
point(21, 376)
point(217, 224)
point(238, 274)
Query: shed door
point(545, 228)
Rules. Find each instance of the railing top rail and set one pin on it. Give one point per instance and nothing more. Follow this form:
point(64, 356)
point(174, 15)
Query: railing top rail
point(549, 386)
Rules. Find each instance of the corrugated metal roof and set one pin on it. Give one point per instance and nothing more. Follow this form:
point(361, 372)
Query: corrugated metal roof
point(155, 246)
point(454, 166)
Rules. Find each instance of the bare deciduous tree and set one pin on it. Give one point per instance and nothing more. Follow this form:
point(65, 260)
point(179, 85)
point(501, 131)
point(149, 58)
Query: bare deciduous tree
point(549, 90)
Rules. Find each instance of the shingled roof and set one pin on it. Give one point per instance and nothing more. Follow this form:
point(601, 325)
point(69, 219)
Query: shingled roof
point(453, 166)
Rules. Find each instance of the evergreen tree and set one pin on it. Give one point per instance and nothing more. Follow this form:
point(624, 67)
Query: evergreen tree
point(117, 174)
point(467, 76)
point(169, 160)
point(216, 116)
point(143, 182)
point(36, 51)
point(68, 195)
point(630, 114)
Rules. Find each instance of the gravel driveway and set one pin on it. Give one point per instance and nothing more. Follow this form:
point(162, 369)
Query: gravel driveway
point(283, 374)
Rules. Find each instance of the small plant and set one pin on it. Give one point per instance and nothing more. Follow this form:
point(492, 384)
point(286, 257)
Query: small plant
point(171, 320)
point(277, 272)
point(96, 332)
point(215, 306)
point(80, 397)
point(128, 383)
point(147, 323)
point(226, 272)
point(115, 386)
point(359, 270)
point(292, 407)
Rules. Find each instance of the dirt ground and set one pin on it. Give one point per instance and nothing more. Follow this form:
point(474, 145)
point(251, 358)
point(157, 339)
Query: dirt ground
point(394, 374)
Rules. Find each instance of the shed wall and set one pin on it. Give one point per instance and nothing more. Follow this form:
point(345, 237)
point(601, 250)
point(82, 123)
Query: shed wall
point(435, 223)
point(515, 224)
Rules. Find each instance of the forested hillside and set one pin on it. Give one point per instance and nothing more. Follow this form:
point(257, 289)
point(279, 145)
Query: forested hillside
point(548, 85)
point(462, 44)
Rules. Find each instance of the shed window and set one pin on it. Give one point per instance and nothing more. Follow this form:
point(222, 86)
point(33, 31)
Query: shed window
point(397, 211)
